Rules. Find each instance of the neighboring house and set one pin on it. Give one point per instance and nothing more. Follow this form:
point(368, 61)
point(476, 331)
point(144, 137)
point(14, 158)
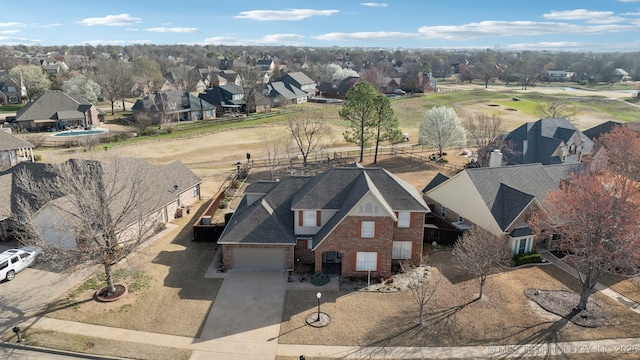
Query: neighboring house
point(174, 189)
point(9, 93)
point(547, 141)
point(57, 109)
point(499, 199)
point(231, 76)
point(266, 65)
point(595, 132)
point(349, 221)
point(13, 150)
point(338, 88)
point(174, 106)
point(558, 75)
point(301, 81)
point(620, 75)
point(389, 85)
point(228, 99)
point(282, 93)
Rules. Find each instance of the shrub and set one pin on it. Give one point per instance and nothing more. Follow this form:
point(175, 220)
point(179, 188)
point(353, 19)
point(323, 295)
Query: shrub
point(530, 258)
point(37, 157)
point(319, 279)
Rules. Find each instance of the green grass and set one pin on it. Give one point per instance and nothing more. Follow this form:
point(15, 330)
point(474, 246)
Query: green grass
point(135, 280)
point(10, 108)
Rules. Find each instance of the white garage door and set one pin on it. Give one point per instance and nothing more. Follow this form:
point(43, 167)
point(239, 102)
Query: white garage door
point(258, 259)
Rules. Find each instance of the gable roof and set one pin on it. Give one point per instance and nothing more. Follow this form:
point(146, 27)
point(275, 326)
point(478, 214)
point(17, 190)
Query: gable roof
point(270, 220)
point(287, 91)
point(535, 142)
point(12, 142)
point(297, 78)
point(508, 190)
point(49, 104)
point(437, 180)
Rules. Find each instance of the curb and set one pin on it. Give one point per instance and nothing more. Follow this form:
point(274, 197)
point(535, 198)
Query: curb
point(58, 352)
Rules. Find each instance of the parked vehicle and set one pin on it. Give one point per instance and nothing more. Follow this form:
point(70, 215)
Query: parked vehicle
point(13, 261)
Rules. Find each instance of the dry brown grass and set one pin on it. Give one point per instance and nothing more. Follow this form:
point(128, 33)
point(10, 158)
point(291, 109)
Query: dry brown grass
point(178, 297)
point(98, 346)
point(503, 316)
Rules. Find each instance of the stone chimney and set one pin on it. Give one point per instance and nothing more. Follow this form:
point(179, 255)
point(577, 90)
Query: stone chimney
point(496, 159)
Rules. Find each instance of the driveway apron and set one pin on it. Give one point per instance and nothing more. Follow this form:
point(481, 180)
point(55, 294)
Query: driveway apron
point(247, 309)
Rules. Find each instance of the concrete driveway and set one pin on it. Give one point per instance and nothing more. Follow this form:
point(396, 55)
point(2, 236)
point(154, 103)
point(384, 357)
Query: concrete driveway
point(30, 291)
point(245, 317)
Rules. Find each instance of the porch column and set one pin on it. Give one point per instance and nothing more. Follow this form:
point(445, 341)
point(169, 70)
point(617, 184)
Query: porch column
point(32, 158)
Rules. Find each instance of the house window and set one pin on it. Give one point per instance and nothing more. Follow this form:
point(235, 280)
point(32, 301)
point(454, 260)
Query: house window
point(309, 244)
point(404, 219)
point(366, 261)
point(401, 250)
point(521, 246)
point(308, 218)
point(196, 191)
point(367, 229)
point(443, 212)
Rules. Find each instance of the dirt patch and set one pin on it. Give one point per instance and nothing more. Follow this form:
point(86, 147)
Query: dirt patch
point(563, 304)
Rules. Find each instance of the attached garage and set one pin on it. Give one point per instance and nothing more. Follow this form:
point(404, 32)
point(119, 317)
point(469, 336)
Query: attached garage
point(258, 258)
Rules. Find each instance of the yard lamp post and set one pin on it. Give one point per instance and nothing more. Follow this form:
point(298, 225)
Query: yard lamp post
point(17, 331)
point(318, 295)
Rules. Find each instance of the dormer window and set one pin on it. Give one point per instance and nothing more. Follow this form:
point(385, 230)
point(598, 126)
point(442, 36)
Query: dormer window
point(308, 218)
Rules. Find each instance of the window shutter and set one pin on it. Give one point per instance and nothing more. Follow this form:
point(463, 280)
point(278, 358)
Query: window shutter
point(354, 262)
point(300, 215)
point(378, 262)
point(395, 223)
point(318, 220)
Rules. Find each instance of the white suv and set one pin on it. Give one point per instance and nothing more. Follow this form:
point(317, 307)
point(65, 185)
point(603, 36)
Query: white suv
point(13, 261)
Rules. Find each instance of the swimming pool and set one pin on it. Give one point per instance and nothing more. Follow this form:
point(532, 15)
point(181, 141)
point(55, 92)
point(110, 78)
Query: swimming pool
point(69, 133)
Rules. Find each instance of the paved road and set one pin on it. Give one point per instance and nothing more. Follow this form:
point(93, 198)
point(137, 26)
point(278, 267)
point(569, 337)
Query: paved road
point(30, 291)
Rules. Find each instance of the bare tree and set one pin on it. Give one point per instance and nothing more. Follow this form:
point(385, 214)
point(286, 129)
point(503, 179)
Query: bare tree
point(89, 212)
point(555, 108)
point(441, 128)
point(421, 284)
point(486, 133)
point(481, 252)
point(274, 146)
point(309, 131)
point(115, 80)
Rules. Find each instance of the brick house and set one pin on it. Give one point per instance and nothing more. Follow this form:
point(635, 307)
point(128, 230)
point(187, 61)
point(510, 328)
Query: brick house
point(346, 221)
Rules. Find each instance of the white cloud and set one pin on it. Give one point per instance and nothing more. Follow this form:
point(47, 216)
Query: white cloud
point(7, 40)
point(629, 1)
point(51, 25)
point(596, 17)
point(370, 36)
point(283, 15)
point(278, 39)
point(372, 4)
point(7, 32)
point(171, 30)
point(547, 45)
point(112, 20)
point(631, 14)
point(11, 24)
point(514, 28)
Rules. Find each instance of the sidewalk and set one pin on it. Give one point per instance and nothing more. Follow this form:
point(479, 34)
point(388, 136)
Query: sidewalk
point(623, 300)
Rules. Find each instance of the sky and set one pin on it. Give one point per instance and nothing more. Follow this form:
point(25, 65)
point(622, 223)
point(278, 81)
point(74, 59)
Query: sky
point(559, 25)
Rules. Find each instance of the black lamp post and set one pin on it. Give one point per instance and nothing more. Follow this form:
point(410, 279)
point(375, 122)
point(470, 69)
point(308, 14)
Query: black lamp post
point(318, 295)
point(17, 331)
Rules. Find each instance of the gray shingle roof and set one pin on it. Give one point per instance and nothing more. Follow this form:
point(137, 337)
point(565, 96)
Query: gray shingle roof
point(298, 78)
point(508, 190)
point(535, 142)
point(11, 142)
point(270, 220)
point(437, 180)
point(50, 103)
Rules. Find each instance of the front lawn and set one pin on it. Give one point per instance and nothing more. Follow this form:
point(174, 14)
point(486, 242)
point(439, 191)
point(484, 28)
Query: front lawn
point(503, 316)
point(169, 294)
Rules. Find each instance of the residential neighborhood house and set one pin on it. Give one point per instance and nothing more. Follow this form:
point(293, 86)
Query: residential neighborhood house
point(499, 199)
point(301, 81)
point(56, 110)
point(349, 221)
point(172, 106)
point(547, 141)
point(174, 189)
point(13, 150)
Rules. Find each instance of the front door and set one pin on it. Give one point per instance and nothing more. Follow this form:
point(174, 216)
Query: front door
point(332, 263)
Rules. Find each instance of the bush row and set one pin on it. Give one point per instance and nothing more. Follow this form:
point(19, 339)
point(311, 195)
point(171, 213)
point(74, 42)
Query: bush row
point(530, 258)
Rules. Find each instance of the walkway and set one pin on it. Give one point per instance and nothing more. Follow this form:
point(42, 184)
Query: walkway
point(632, 305)
point(244, 323)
